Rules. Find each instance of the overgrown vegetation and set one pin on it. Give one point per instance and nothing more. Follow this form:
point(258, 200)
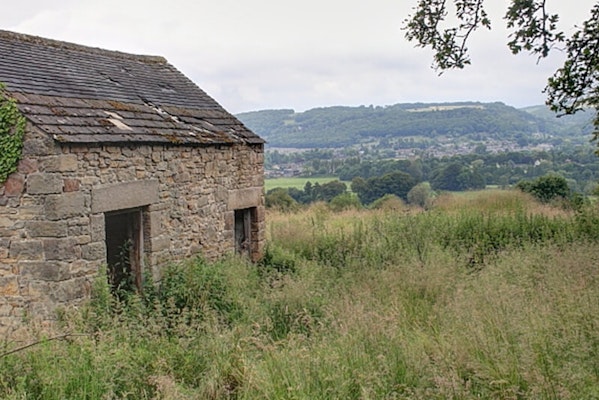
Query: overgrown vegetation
point(486, 295)
point(578, 165)
point(548, 188)
point(12, 130)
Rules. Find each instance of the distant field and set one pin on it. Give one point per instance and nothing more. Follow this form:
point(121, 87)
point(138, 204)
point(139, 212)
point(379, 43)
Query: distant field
point(298, 183)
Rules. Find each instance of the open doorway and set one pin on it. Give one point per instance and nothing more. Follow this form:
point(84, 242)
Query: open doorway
point(243, 231)
point(124, 238)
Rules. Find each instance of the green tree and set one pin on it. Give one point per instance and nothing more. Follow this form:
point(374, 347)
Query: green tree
point(280, 199)
point(420, 195)
point(396, 183)
point(471, 179)
point(358, 184)
point(308, 189)
point(546, 188)
point(345, 201)
point(299, 195)
point(448, 177)
point(573, 87)
point(329, 190)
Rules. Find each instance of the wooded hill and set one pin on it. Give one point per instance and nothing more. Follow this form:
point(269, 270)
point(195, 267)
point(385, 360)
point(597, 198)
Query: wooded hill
point(342, 126)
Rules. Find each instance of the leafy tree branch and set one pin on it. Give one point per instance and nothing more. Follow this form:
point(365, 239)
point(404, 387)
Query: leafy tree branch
point(572, 88)
point(575, 86)
point(449, 44)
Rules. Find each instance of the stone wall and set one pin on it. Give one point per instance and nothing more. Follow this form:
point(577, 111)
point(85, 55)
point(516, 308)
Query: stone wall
point(52, 234)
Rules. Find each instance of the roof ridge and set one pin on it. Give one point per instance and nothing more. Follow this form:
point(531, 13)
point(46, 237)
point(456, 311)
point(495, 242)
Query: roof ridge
point(15, 36)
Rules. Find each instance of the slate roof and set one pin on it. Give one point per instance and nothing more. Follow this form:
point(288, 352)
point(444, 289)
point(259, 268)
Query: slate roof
point(81, 94)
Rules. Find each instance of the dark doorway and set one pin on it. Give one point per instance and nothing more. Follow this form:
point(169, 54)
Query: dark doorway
point(243, 231)
point(123, 249)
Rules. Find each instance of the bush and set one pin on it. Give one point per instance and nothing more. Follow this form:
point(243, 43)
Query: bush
point(388, 202)
point(397, 183)
point(196, 287)
point(546, 188)
point(421, 195)
point(280, 199)
point(345, 201)
point(277, 260)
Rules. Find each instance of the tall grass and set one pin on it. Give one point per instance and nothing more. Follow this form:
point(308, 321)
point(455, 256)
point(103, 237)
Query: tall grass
point(463, 302)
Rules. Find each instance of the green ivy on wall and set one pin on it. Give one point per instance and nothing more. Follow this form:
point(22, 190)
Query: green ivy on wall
point(12, 130)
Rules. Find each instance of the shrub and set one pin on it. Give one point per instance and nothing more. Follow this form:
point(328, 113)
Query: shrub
point(388, 202)
point(196, 287)
point(397, 183)
point(546, 188)
point(280, 199)
point(277, 260)
point(421, 195)
point(345, 201)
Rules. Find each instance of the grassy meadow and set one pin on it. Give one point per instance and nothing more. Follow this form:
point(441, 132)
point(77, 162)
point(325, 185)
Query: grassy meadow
point(296, 182)
point(490, 295)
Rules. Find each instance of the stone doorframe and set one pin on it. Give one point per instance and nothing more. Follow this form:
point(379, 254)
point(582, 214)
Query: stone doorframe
point(242, 206)
point(125, 197)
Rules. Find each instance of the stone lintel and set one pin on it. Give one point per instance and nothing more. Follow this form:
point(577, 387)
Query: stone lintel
point(124, 195)
point(245, 198)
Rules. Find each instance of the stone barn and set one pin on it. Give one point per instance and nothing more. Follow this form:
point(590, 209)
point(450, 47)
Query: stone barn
point(127, 164)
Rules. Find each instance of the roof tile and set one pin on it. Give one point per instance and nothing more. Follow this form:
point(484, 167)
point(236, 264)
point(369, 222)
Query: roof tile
point(82, 94)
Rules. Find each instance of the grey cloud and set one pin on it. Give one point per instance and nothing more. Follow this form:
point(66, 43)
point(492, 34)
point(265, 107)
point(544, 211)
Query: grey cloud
point(275, 54)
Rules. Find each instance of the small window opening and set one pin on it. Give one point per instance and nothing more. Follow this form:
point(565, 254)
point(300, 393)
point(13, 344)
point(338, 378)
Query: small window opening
point(243, 231)
point(124, 240)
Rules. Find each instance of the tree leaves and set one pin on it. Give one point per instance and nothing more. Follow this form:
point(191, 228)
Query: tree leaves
point(572, 88)
point(449, 44)
point(535, 30)
point(575, 86)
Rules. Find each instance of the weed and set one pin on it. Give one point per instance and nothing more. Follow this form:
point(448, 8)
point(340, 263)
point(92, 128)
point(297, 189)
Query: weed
point(357, 304)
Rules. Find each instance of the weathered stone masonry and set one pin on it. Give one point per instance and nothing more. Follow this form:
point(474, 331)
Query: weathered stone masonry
point(52, 236)
point(126, 164)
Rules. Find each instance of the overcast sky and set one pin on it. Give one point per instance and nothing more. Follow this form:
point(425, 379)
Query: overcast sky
point(264, 54)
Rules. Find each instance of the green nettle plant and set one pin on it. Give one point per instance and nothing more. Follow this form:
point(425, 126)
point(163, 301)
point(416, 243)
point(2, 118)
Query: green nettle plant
point(12, 130)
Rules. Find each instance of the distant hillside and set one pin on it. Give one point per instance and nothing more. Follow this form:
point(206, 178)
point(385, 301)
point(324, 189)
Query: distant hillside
point(581, 122)
point(340, 126)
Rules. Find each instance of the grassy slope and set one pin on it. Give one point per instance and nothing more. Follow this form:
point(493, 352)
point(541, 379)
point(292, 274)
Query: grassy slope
point(489, 296)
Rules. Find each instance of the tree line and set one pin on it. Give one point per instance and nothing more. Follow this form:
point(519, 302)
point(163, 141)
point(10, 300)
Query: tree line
point(576, 169)
point(340, 126)
point(578, 164)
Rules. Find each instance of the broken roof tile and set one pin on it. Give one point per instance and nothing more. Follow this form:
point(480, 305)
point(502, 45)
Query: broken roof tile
point(82, 94)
